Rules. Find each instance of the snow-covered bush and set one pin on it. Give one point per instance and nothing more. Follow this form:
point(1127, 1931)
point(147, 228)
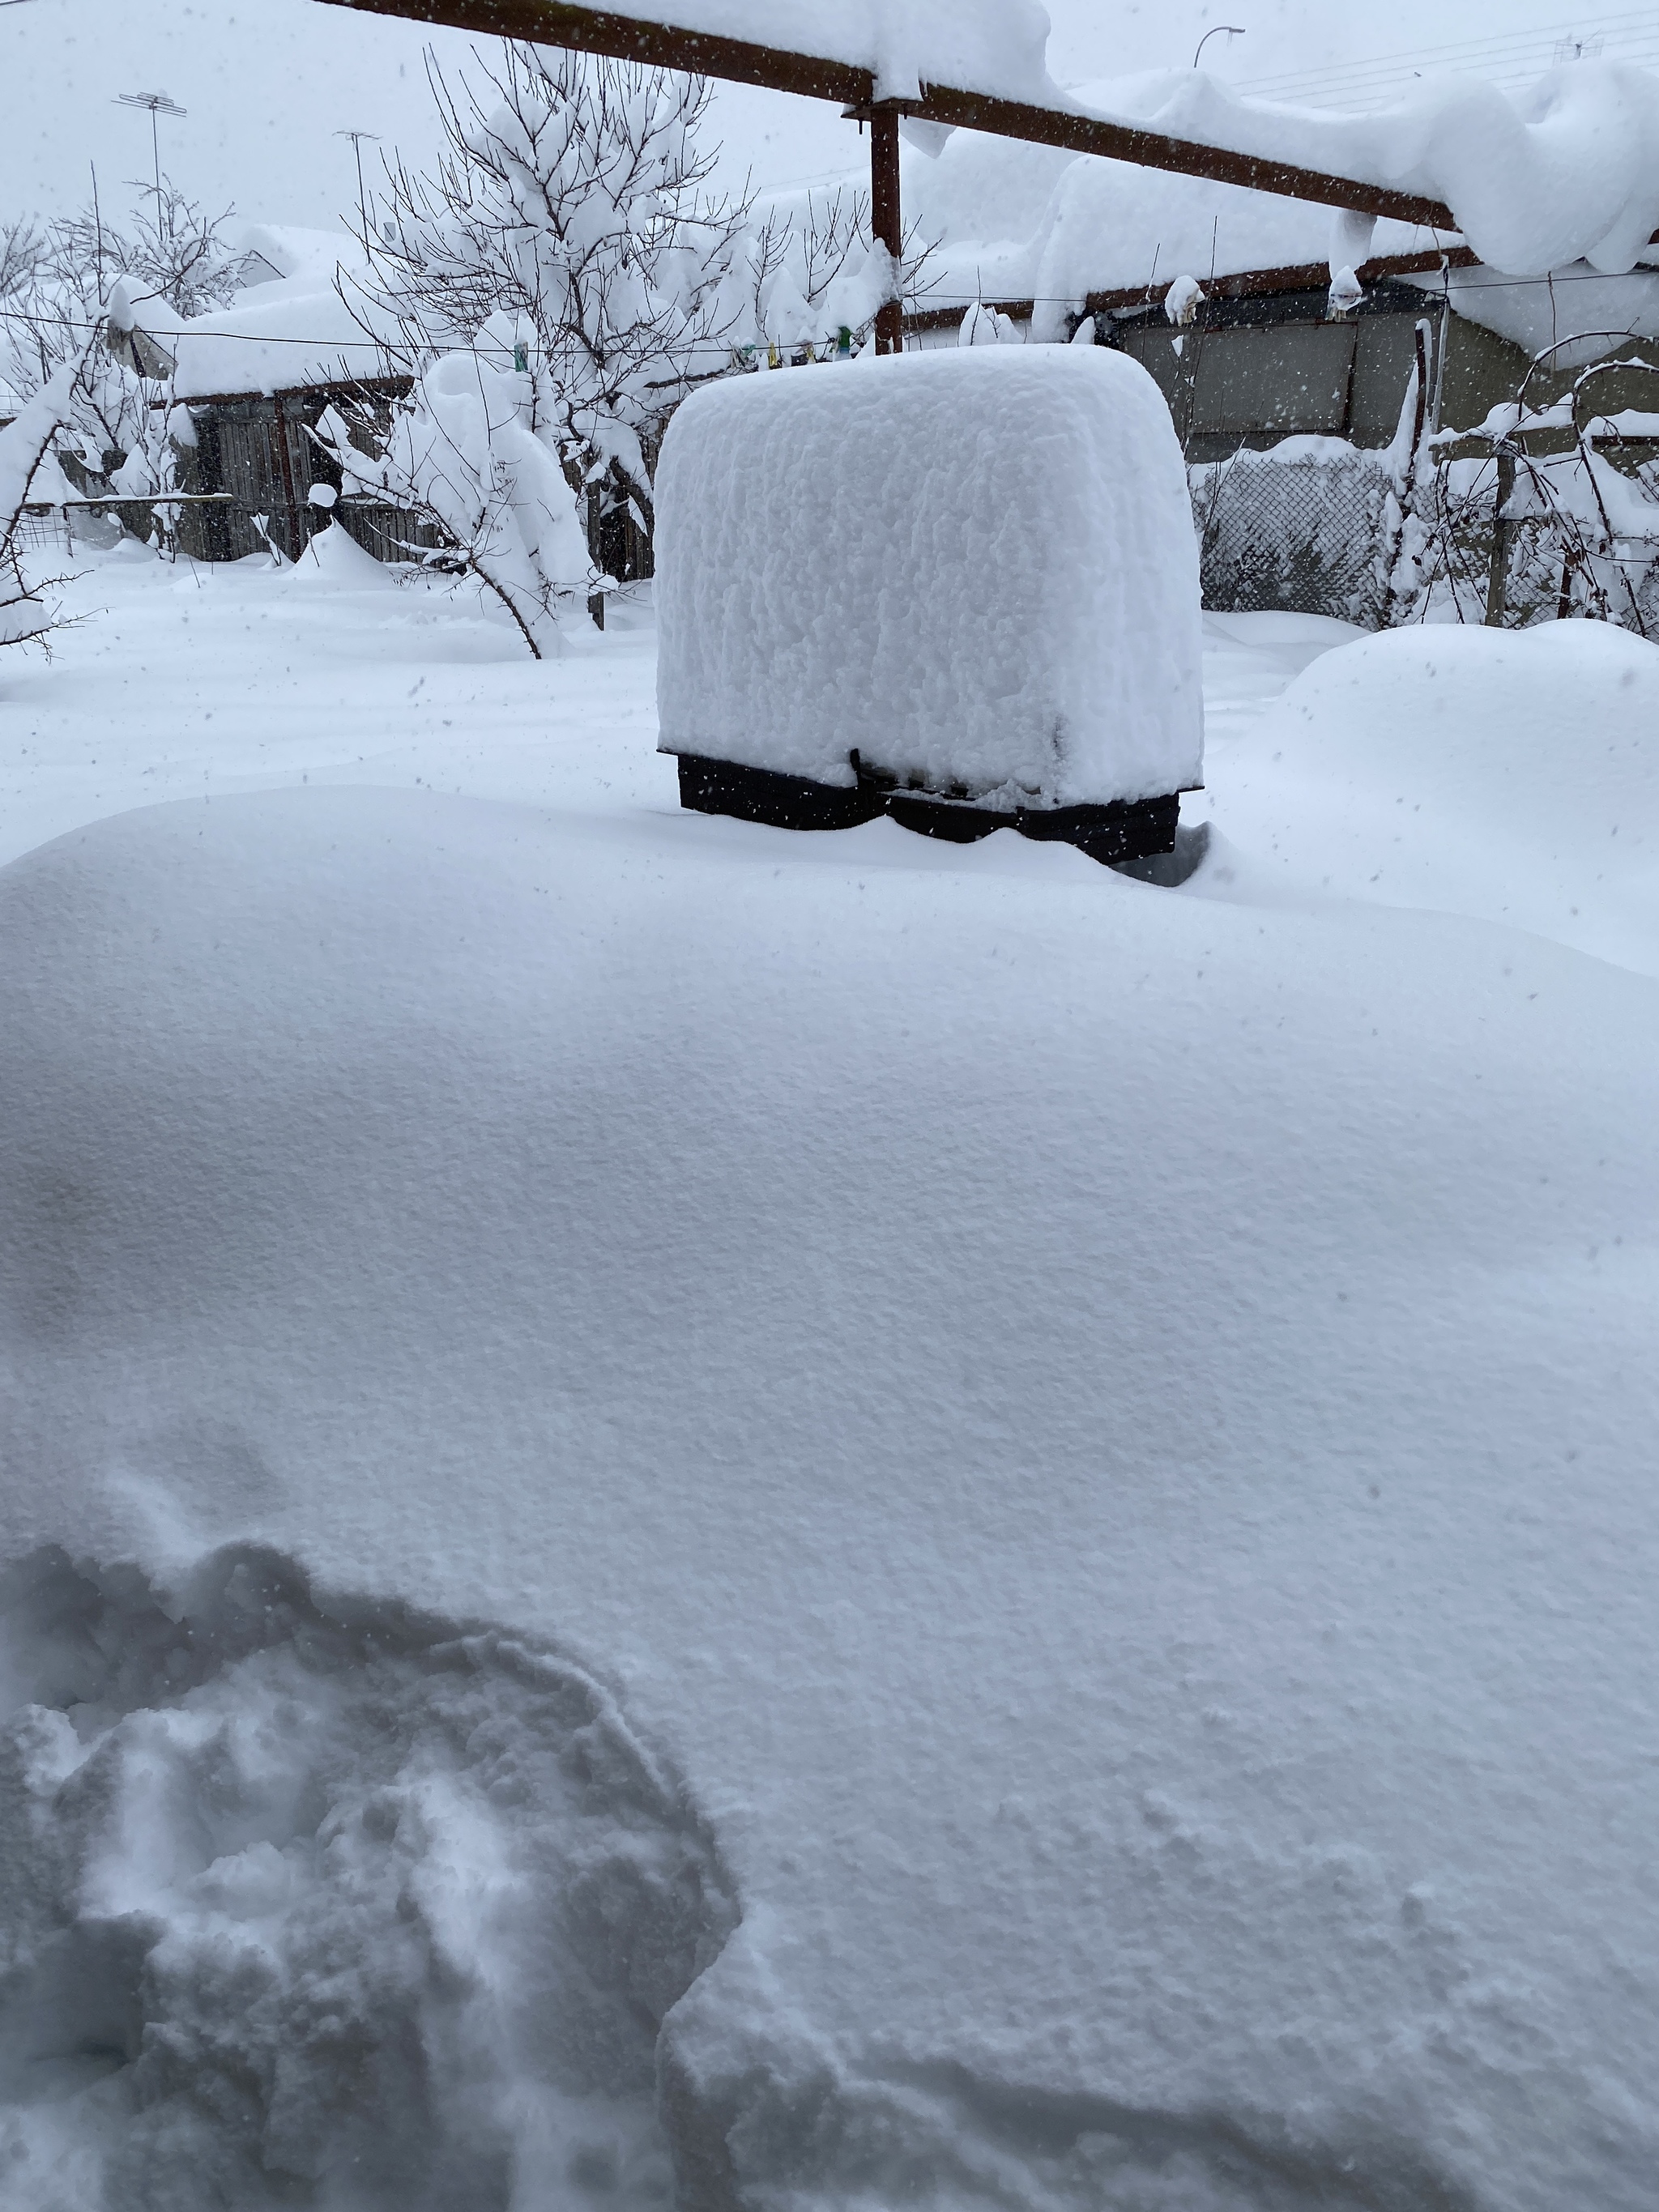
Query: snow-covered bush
point(567, 236)
point(28, 614)
point(22, 247)
point(169, 260)
point(983, 325)
point(1550, 510)
point(465, 452)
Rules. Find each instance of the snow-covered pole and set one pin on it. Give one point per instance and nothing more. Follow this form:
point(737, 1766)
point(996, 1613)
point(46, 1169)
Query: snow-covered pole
point(1406, 458)
point(886, 219)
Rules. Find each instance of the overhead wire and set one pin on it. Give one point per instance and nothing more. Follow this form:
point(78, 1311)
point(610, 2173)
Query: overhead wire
point(323, 347)
point(1503, 58)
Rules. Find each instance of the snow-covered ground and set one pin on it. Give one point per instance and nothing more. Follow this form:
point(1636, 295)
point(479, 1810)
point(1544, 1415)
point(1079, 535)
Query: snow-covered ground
point(841, 1518)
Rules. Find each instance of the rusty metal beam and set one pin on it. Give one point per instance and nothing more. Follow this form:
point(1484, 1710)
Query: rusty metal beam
point(629, 39)
point(1300, 276)
point(626, 38)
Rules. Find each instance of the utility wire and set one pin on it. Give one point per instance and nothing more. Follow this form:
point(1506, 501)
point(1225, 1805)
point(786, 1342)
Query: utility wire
point(1467, 279)
point(1513, 54)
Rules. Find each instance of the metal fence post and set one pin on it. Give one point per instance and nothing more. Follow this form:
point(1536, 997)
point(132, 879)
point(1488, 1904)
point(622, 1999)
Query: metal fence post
point(1502, 530)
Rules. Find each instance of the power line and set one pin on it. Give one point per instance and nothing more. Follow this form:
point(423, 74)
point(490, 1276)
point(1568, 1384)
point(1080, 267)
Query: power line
point(1495, 46)
point(1486, 284)
point(1509, 55)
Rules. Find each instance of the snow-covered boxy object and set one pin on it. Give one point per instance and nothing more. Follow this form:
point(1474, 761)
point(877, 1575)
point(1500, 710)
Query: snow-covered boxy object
point(959, 586)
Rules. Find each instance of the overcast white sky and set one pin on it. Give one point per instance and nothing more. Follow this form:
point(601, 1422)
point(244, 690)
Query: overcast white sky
point(269, 82)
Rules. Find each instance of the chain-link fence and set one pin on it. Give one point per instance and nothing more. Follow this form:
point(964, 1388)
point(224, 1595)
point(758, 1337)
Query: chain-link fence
point(1321, 532)
point(1307, 532)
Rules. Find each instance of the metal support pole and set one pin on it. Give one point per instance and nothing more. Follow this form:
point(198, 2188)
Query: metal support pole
point(1502, 531)
point(886, 222)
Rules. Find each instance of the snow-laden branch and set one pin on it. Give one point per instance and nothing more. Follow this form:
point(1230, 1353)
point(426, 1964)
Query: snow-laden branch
point(28, 617)
point(464, 455)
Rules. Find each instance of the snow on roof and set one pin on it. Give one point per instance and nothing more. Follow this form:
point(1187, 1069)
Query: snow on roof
point(1025, 222)
point(290, 249)
point(1017, 220)
point(1567, 171)
point(1572, 303)
point(292, 330)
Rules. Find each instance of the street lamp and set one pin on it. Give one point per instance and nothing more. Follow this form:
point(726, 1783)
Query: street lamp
point(156, 103)
point(1232, 30)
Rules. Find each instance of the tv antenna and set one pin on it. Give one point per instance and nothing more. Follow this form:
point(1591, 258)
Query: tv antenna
point(357, 139)
point(156, 103)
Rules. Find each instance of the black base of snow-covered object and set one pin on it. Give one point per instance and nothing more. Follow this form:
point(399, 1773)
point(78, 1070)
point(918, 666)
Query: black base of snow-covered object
point(1118, 829)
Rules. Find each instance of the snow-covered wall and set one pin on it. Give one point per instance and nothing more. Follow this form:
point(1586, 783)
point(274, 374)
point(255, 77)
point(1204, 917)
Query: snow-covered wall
point(975, 567)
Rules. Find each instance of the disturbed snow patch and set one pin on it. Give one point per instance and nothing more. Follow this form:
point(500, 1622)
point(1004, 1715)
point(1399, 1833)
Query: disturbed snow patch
point(337, 1908)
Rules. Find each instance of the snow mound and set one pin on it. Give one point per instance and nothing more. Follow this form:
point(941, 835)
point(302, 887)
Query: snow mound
point(326, 1904)
point(1109, 1433)
point(334, 558)
point(975, 567)
point(1512, 775)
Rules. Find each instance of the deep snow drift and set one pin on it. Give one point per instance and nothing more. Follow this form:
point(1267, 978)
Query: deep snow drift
point(1511, 777)
point(1102, 1430)
point(976, 566)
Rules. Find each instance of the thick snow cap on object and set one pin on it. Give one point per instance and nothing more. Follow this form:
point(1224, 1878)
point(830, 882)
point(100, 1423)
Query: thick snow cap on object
point(976, 566)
